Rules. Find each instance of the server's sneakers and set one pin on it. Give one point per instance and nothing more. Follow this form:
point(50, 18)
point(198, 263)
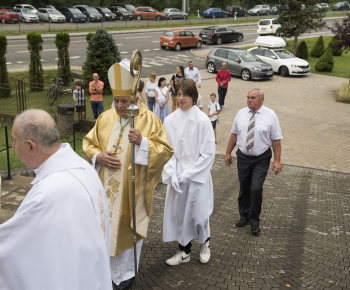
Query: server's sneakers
point(178, 258)
point(204, 253)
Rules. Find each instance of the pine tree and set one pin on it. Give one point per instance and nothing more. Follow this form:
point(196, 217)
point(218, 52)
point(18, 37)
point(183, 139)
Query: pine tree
point(5, 91)
point(62, 43)
point(318, 49)
point(302, 51)
point(336, 49)
point(36, 73)
point(102, 53)
point(326, 62)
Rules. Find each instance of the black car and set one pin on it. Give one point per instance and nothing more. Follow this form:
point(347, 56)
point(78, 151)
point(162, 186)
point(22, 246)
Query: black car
point(107, 15)
point(121, 13)
point(72, 14)
point(341, 6)
point(91, 13)
point(238, 10)
point(220, 34)
point(129, 7)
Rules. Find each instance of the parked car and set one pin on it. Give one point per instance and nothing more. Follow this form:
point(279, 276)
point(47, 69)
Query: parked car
point(91, 13)
point(214, 13)
point(341, 6)
point(72, 14)
point(131, 8)
point(179, 38)
point(121, 13)
point(268, 26)
point(8, 16)
point(270, 50)
point(259, 10)
point(322, 7)
point(239, 62)
point(50, 15)
point(235, 10)
point(107, 15)
point(174, 13)
point(25, 6)
point(27, 15)
point(274, 10)
point(47, 6)
point(220, 34)
point(148, 13)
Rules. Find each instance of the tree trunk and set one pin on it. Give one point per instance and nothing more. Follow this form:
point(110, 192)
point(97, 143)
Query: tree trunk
point(295, 44)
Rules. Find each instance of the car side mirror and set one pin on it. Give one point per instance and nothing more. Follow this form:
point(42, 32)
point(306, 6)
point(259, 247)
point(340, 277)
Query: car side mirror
point(238, 61)
point(273, 56)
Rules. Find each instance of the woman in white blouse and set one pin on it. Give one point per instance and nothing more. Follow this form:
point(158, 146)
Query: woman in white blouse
point(162, 98)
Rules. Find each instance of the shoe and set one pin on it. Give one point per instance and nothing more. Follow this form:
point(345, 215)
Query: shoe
point(204, 253)
point(126, 285)
point(242, 223)
point(178, 258)
point(255, 230)
point(216, 142)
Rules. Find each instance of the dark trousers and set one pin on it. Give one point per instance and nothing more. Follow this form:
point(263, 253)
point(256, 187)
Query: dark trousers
point(151, 103)
point(187, 248)
point(252, 172)
point(97, 108)
point(222, 94)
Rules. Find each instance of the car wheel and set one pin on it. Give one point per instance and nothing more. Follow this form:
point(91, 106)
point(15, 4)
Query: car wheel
point(284, 72)
point(239, 38)
point(213, 16)
point(121, 18)
point(163, 47)
point(211, 67)
point(177, 47)
point(245, 75)
point(3, 21)
point(71, 20)
point(88, 19)
point(198, 44)
point(159, 18)
point(258, 13)
point(219, 41)
point(170, 17)
point(139, 17)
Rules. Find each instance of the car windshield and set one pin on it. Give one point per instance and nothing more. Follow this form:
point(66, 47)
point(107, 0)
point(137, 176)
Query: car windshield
point(122, 9)
point(91, 10)
point(130, 7)
point(207, 30)
point(55, 12)
point(284, 54)
point(28, 11)
point(247, 56)
point(105, 10)
point(256, 7)
point(75, 10)
point(169, 33)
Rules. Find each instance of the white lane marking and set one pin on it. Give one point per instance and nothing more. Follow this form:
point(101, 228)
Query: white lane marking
point(147, 50)
point(42, 60)
point(74, 57)
point(145, 65)
point(157, 64)
point(155, 41)
point(119, 44)
point(20, 62)
point(23, 51)
point(137, 37)
point(9, 63)
point(24, 44)
point(50, 49)
point(156, 48)
point(79, 41)
point(124, 52)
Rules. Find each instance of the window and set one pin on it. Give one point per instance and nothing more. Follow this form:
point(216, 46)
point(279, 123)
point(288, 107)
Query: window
point(269, 54)
point(221, 53)
point(232, 56)
point(189, 33)
point(221, 30)
point(181, 33)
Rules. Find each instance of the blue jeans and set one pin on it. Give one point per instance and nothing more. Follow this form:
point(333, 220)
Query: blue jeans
point(151, 103)
point(222, 94)
point(97, 108)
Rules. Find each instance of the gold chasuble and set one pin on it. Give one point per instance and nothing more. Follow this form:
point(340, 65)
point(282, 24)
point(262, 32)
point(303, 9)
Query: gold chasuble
point(117, 184)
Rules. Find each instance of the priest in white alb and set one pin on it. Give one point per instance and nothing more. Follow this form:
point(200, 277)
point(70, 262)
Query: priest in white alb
point(59, 236)
point(107, 147)
point(189, 198)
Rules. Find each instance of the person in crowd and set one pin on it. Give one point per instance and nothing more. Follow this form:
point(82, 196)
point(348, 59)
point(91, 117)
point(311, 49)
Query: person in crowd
point(173, 83)
point(255, 130)
point(193, 73)
point(151, 91)
point(162, 98)
point(79, 98)
point(223, 77)
point(213, 112)
point(96, 89)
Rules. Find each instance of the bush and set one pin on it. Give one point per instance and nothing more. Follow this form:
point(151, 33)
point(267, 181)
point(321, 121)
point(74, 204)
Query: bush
point(101, 54)
point(326, 62)
point(89, 35)
point(302, 51)
point(335, 49)
point(36, 73)
point(343, 93)
point(318, 49)
point(5, 91)
point(62, 43)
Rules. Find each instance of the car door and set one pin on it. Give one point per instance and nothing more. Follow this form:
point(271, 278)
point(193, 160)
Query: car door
point(191, 40)
point(230, 34)
point(234, 64)
point(220, 56)
point(178, 13)
point(270, 58)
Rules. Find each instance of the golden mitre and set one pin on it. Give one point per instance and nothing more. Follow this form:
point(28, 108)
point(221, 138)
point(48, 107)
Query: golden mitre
point(120, 79)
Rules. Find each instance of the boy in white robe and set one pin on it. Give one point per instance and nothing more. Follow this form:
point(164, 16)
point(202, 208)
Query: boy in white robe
point(189, 199)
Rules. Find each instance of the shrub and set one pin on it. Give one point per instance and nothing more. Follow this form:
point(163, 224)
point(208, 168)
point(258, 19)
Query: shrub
point(343, 93)
point(63, 63)
point(318, 49)
point(101, 54)
point(326, 62)
point(89, 35)
point(36, 73)
point(302, 51)
point(5, 91)
point(335, 49)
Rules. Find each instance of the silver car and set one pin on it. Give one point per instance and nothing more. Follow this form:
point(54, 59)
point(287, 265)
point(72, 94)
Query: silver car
point(259, 10)
point(50, 15)
point(174, 13)
point(239, 62)
point(27, 15)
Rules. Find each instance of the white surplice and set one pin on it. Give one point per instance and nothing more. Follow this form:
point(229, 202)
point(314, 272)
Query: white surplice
point(186, 214)
point(59, 236)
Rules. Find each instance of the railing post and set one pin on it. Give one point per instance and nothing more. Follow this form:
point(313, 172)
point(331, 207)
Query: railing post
point(8, 155)
point(74, 136)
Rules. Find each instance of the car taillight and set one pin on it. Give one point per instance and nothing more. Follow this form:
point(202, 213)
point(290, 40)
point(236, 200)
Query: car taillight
point(271, 26)
point(208, 56)
point(230, 10)
point(210, 34)
point(172, 39)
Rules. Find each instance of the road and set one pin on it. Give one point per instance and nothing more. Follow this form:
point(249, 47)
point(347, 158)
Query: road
point(154, 59)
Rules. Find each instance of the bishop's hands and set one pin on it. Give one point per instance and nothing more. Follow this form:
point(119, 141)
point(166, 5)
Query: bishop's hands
point(109, 160)
point(135, 136)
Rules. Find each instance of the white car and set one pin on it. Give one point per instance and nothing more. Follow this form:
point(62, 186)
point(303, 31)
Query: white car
point(25, 6)
point(50, 15)
point(270, 50)
point(268, 26)
point(26, 15)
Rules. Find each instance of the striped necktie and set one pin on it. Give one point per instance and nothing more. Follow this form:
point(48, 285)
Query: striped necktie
point(250, 135)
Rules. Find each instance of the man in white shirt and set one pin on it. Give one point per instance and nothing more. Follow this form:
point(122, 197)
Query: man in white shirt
point(255, 129)
point(192, 72)
point(59, 236)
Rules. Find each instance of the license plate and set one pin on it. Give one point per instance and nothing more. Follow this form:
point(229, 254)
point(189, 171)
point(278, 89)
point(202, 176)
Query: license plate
point(305, 70)
point(204, 35)
point(165, 43)
point(263, 28)
point(269, 73)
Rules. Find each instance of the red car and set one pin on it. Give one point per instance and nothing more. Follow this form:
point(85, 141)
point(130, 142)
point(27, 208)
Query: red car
point(9, 16)
point(179, 38)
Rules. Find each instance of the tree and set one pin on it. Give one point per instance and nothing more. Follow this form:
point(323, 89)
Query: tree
point(341, 30)
point(101, 54)
point(302, 51)
point(296, 19)
point(335, 48)
point(326, 62)
point(36, 73)
point(62, 44)
point(318, 49)
point(5, 91)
